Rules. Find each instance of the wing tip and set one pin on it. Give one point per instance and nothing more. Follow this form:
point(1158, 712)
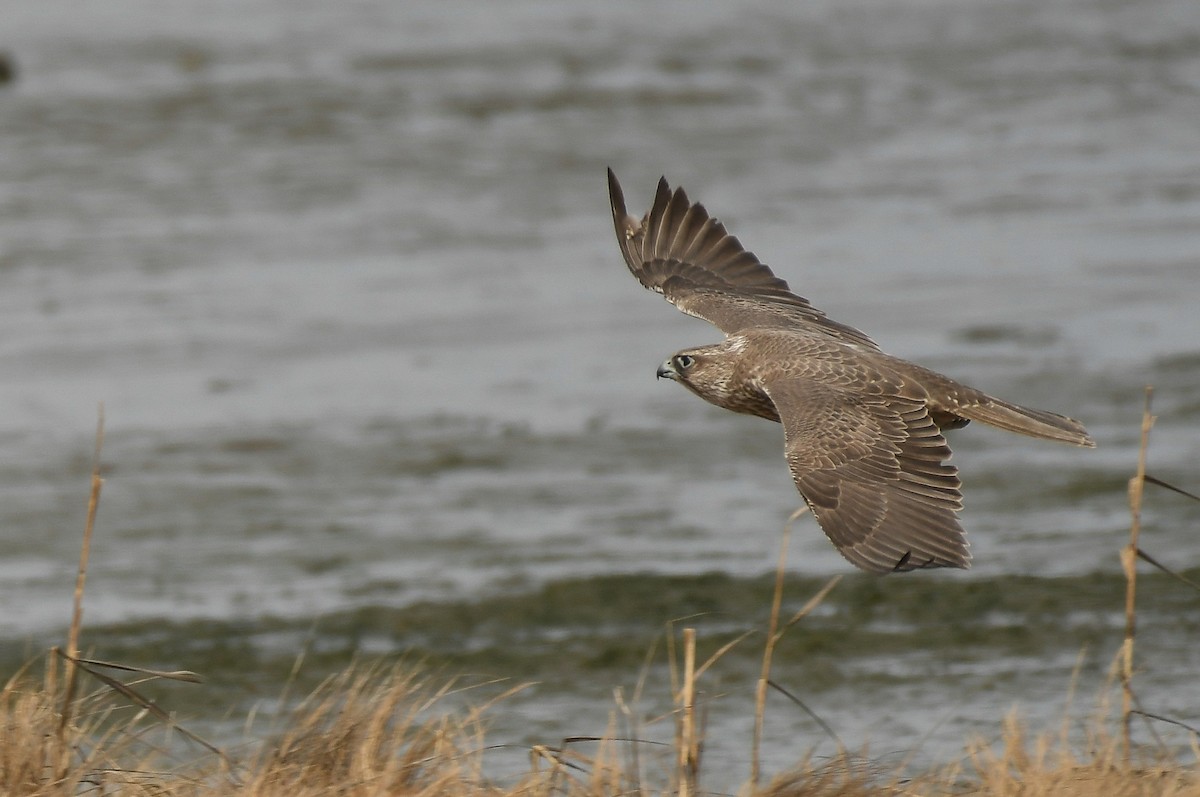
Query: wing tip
point(625, 225)
point(907, 563)
point(662, 198)
point(616, 197)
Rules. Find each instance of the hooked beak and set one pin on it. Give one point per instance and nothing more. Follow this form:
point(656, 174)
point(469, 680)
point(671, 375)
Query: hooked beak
point(667, 369)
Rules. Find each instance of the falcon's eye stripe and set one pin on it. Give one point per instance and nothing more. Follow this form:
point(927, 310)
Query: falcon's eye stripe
point(684, 360)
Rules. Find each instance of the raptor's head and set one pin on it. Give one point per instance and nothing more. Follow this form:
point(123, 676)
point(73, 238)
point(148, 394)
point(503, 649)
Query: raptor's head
point(705, 371)
point(675, 366)
point(717, 374)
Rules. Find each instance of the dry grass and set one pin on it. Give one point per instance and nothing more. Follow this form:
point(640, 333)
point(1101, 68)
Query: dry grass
point(1048, 766)
point(370, 732)
point(366, 733)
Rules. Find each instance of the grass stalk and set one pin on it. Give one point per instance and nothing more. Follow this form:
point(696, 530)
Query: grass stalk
point(774, 633)
point(764, 678)
point(71, 671)
point(1129, 556)
point(687, 752)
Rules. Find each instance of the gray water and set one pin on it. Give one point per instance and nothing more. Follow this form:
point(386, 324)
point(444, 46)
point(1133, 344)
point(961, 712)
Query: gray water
point(344, 279)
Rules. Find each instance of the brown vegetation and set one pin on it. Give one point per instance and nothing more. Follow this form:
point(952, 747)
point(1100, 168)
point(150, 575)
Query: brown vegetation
point(391, 733)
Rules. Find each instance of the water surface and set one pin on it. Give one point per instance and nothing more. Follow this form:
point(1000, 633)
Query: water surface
point(344, 279)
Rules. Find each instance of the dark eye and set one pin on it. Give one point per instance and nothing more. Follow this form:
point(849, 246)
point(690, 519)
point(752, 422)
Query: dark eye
point(684, 360)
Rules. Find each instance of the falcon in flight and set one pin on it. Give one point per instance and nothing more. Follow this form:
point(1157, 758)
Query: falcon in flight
point(863, 431)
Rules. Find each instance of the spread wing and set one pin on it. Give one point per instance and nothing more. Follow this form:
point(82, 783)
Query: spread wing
point(873, 470)
point(679, 250)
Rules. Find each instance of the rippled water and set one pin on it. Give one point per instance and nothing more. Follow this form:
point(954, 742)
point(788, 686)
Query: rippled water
point(344, 279)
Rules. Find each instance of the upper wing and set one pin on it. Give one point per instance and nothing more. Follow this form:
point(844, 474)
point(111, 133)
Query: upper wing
point(872, 467)
point(680, 251)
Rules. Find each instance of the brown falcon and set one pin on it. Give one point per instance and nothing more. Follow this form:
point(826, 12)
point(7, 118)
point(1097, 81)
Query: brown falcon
point(862, 429)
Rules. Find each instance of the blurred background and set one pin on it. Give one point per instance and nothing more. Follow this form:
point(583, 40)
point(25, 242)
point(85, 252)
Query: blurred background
point(376, 379)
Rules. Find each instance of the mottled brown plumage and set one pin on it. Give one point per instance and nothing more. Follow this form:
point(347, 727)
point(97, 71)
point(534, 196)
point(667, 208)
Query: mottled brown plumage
point(862, 429)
